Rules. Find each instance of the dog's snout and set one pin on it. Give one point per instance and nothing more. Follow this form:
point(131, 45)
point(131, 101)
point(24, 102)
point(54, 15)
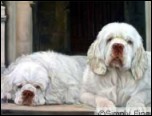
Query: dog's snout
point(117, 50)
point(118, 46)
point(27, 97)
point(28, 93)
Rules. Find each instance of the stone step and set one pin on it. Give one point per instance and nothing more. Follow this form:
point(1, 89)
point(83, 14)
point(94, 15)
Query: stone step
point(13, 109)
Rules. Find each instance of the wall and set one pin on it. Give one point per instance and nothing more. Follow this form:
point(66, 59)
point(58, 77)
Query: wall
point(3, 19)
point(148, 24)
point(19, 29)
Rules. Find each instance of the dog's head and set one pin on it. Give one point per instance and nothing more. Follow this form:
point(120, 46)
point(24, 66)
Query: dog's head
point(25, 84)
point(118, 45)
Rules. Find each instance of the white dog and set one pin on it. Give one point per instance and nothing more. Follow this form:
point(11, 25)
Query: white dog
point(43, 78)
point(119, 69)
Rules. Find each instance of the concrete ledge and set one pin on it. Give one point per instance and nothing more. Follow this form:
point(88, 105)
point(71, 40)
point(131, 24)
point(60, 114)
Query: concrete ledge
point(13, 109)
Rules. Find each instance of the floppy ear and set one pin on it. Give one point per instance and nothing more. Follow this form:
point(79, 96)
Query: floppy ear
point(95, 60)
point(139, 63)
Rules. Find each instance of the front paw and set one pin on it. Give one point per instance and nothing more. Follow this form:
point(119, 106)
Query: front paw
point(5, 97)
point(134, 104)
point(135, 108)
point(103, 105)
point(104, 102)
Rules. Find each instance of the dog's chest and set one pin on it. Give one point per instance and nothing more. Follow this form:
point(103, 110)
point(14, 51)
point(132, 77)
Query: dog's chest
point(125, 87)
point(118, 87)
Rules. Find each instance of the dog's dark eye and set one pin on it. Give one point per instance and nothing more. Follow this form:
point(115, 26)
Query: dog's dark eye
point(37, 87)
point(19, 86)
point(130, 42)
point(109, 39)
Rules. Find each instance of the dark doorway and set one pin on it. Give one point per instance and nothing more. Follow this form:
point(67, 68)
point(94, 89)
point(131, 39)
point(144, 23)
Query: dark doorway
point(87, 19)
point(71, 27)
point(50, 26)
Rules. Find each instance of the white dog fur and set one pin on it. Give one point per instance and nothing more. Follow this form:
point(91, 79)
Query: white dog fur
point(107, 83)
point(48, 77)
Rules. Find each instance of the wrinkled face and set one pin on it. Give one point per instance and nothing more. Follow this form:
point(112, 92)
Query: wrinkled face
point(29, 84)
point(118, 44)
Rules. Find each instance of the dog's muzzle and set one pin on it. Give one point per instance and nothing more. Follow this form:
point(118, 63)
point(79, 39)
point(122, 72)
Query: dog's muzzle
point(117, 55)
point(27, 97)
point(118, 49)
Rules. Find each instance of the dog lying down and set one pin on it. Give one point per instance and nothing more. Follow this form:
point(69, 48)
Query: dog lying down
point(43, 78)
